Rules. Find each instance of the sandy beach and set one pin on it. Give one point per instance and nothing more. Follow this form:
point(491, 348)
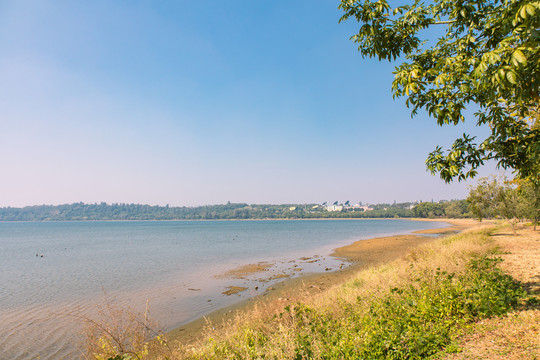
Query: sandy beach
point(360, 254)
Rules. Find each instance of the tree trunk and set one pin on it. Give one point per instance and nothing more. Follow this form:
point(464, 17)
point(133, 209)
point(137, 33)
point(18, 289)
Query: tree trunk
point(512, 225)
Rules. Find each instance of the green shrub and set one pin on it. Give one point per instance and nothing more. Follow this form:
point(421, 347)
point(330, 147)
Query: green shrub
point(416, 321)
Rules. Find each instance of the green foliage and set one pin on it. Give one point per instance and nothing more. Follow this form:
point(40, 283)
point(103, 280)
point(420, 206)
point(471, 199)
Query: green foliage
point(482, 198)
point(457, 209)
point(418, 321)
point(487, 55)
point(449, 209)
point(414, 321)
point(529, 207)
point(493, 197)
point(428, 210)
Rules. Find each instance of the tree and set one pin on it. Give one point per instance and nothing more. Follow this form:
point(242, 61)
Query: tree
point(492, 197)
point(480, 200)
point(428, 210)
point(530, 206)
point(456, 209)
point(488, 55)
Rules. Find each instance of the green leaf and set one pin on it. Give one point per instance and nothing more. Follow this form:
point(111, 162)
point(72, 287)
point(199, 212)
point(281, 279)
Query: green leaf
point(454, 72)
point(519, 57)
point(512, 77)
point(523, 12)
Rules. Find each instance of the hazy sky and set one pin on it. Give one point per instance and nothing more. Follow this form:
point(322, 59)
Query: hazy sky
point(203, 102)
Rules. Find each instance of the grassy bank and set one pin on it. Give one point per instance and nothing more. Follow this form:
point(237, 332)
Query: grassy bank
point(413, 308)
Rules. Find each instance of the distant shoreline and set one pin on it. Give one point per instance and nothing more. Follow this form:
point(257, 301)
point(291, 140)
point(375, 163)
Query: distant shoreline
point(230, 211)
point(265, 219)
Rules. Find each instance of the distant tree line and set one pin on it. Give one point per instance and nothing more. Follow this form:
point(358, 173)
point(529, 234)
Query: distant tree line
point(449, 209)
point(103, 211)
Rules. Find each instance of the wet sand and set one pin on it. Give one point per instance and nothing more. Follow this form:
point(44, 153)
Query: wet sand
point(243, 271)
point(360, 254)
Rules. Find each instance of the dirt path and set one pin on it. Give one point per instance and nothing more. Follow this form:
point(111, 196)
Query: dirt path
point(517, 335)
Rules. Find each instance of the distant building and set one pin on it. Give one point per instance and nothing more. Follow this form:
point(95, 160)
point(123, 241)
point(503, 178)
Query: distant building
point(363, 207)
point(334, 208)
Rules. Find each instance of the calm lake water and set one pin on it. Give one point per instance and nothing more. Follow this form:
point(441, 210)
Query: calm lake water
point(172, 264)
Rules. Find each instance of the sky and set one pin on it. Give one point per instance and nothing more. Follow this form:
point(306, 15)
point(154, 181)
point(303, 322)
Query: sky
point(191, 103)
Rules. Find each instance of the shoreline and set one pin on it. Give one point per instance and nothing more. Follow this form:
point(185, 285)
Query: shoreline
point(261, 219)
point(361, 254)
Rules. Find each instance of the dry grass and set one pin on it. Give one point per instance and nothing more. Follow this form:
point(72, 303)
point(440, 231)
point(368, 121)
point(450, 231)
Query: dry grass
point(116, 331)
point(517, 335)
point(521, 256)
point(512, 337)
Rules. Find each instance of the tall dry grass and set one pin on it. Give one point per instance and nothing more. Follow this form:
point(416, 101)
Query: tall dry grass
point(121, 333)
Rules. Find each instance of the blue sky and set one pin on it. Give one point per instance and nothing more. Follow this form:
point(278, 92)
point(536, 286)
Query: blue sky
point(203, 102)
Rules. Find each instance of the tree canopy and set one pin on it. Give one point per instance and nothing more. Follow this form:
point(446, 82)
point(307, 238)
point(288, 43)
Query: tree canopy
point(488, 55)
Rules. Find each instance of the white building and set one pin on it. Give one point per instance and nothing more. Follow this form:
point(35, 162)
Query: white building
point(334, 208)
